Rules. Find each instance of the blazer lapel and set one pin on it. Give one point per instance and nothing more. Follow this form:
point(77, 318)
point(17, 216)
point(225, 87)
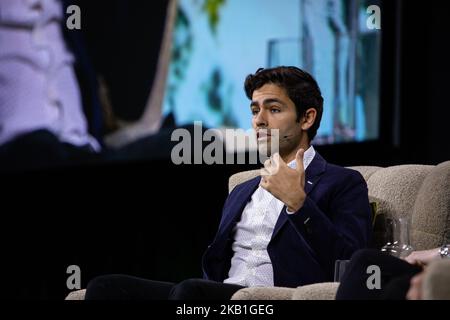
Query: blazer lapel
point(312, 176)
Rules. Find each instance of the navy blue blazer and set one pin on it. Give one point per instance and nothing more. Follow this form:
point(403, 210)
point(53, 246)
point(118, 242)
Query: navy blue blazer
point(334, 222)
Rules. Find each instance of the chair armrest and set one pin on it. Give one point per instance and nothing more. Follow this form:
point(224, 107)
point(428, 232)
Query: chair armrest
point(76, 295)
point(436, 281)
point(316, 291)
point(264, 293)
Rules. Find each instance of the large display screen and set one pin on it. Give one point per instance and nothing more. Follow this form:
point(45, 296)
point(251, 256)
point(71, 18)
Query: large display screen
point(217, 43)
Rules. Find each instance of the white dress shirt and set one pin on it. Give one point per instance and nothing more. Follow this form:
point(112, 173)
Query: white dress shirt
point(38, 87)
point(250, 264)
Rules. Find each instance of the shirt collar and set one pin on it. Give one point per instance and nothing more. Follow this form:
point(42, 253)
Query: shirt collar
point(308, 156)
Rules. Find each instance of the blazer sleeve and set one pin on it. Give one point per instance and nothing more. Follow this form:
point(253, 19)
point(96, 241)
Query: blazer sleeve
point(347, 226)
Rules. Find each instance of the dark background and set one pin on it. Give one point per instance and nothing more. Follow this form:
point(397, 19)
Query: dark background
point(153, 219)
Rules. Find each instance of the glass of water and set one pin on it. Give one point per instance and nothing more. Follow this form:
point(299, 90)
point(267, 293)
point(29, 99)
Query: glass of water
point(399, 242)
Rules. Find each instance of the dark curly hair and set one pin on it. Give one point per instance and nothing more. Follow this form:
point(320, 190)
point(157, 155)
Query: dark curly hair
point(300, 87)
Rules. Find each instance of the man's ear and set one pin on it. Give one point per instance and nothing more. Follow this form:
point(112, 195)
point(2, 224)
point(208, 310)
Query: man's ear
point(308, 119)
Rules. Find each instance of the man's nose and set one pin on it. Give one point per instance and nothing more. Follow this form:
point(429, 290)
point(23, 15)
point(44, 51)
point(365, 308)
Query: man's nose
point(260, 119)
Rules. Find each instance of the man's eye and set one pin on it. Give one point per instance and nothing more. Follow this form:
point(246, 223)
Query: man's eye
point(255, 111)
point(275, 110)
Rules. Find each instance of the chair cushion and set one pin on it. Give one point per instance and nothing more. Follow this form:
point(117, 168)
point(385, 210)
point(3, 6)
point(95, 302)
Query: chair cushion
point(431, 215)
point(436, 281)
point(317, 291)
point(366, 171)
point(76, 295)
point(264, 293)
point(396, 188)
point(241, 177)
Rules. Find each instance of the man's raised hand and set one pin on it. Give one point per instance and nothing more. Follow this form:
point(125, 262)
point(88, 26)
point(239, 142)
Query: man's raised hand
point(283, 182)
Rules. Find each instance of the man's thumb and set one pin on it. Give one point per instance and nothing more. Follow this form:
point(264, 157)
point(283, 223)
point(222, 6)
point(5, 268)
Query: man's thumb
point(299, 159)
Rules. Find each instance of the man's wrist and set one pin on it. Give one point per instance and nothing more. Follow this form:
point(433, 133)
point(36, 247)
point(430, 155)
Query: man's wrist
point(294, 207)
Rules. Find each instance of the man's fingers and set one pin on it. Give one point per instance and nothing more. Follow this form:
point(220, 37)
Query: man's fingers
point(264, 172)
point(272, 164)
point(277, 160)
point(409, 259)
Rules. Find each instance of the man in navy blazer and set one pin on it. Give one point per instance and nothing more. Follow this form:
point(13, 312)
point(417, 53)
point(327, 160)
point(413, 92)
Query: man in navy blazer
point(333, 222)
point(286, 227)
point(325, 213)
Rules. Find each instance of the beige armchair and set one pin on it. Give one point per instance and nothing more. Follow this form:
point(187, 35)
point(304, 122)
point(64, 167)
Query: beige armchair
point(421, 192)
